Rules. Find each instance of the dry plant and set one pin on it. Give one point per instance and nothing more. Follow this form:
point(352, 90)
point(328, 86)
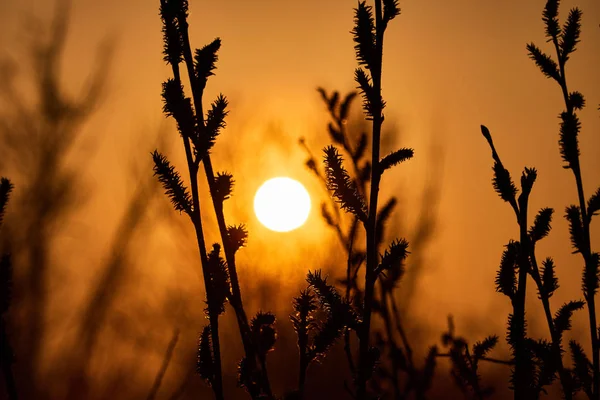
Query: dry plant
point(396, 374)
point(321, 315)
point(537, 363)
point(392, 339)
point(369, 30)
point(6, 350)
point(199, 133)
point(357, 194)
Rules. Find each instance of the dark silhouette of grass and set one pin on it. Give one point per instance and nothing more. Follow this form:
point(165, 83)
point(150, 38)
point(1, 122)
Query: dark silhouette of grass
point(370, 26)
point(465, 363)
point(322, 315)
point(6, 280)
point(538, 362)
point(393, 304)
point(199, 134)
point(350, 193)
point(565, 40)
point(163, 368)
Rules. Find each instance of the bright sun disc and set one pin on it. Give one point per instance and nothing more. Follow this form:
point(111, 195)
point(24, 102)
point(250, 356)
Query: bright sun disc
point(282, 204)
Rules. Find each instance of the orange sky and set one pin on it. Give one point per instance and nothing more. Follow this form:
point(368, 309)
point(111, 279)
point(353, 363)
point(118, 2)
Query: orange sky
point(449, 66)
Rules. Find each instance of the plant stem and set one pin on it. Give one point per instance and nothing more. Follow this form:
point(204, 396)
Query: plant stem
point(350, 283)
point(521, 381)
point(586, 251)
point(403, 337)
point(488, 359)
point(197, 221)
point(590, 297)
point(163, 368)
point(370, 278)
point(5, 361)
point(235, 296)
point(385, 315)
point(556, 340)
point(303, 366)
point(212, 315)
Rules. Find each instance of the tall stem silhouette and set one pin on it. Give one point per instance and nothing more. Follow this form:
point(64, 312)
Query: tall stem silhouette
point(235, 296)
point(372, 261)
point(564, 40)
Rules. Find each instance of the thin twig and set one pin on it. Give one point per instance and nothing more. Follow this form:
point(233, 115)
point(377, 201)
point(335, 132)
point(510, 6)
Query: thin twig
point(556, 340)
point(487, 359)
point(586, 251)
point(165, 364)
point(235, 297)
point(197, 221)
point(372, 255)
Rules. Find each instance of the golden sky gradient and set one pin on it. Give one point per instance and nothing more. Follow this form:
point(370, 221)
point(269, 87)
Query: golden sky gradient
point(449, 66)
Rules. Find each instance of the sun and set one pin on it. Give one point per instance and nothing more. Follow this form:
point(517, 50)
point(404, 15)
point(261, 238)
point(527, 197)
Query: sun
point(282, 204)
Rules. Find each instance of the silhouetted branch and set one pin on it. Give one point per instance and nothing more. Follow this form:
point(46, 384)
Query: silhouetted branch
point(487, 359)
point(6, 289)
point(565, 40)
point(165, 364)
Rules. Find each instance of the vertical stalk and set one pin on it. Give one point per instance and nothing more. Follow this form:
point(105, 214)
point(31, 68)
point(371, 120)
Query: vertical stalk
point(235, 297)
point(385, 314)
point(589, 297)
point(521, 381)
point(370, 277)
point(212, 315)
point(586, 252)
point(562, 373)
point(350, 282)
point(7, 372)
point(303, 367)
point(164, 366)
point(197, 221)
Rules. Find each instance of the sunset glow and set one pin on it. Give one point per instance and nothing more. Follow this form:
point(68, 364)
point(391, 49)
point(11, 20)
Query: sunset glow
point(282, 204)
point(159, 161)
